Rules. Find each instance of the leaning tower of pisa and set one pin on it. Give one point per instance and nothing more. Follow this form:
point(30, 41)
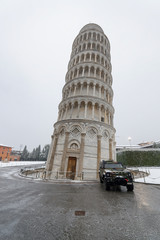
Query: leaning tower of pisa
point(84, 133)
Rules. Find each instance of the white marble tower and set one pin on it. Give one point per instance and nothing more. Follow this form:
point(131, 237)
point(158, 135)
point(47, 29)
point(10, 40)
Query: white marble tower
point(84, 133)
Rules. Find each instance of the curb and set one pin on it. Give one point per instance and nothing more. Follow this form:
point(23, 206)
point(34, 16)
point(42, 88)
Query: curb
point(148, 183)
point(60, 180)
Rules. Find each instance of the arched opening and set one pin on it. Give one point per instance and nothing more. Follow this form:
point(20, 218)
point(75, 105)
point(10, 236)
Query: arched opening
point(78, 88)
point(102, 114)
point(75, 107)
point(84, 46)
point(102, 75)
point(88, 45)
point(93, 57)
point(96, 112)
point(92, 71)
point(71, 76)
point(102, 61)
point(71, 168)
point(93, 46)
point(97, 58)
point(77, 60)
point(86, 70)
point(94, 36)
point(102, 49)
point(91, 89)
point(87, 57)
point(82, 57)
point(80, 71)
point(81, 110)
point(97, 72)
point(75, 72)
point(97, 90)
point(89, 110)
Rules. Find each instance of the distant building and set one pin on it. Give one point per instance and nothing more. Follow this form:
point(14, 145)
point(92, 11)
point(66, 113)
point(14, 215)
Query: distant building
point(5, 152)
point(15, 156)
point(151, 144)
point(127, 147)
point(142, 146)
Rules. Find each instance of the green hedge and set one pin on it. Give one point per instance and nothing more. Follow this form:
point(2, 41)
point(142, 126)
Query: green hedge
point(139, 158)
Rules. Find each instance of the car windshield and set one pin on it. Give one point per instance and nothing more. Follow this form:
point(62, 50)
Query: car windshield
point(113, 165)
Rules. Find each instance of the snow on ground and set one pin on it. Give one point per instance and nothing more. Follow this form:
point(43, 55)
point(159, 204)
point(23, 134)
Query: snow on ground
point(153, 177)
point(19, 163)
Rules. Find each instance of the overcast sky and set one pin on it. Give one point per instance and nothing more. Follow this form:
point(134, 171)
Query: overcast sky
point(36, 37)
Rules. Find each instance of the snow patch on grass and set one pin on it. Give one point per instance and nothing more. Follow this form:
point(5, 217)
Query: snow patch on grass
point(153, 177)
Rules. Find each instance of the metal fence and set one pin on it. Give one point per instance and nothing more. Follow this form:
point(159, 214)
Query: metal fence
point(58, 175)
point(41, 173)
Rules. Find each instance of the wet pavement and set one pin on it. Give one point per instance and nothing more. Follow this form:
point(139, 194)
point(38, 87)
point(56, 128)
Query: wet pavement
point(39, 210)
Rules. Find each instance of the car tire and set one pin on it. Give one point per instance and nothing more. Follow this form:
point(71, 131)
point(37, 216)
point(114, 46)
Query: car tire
point(107, 187)
point(101, 180)
point(130, 188)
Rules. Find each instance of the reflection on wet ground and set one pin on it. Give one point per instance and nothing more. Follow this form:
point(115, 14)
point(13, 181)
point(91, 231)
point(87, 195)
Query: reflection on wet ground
point(44, 210)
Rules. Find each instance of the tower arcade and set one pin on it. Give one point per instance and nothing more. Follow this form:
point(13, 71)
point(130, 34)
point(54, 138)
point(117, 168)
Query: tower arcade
point(84, 132)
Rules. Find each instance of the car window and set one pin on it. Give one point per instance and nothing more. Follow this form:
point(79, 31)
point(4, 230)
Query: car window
point(113, 165)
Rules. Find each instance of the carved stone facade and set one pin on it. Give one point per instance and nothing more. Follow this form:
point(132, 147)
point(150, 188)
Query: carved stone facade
point(84, 133)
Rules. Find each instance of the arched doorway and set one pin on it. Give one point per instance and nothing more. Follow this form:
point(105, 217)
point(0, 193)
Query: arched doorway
point(71, 169)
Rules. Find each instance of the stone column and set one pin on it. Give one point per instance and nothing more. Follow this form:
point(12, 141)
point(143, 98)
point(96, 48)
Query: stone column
point(51, 154)
point(72, 110)
point(87, 88)
point(99, 91)
point(78, 110)
point(75, 90)
point(81, 89)
point(94, 87)
point(114, 152)
point(85, 111)
point(61, 114)
point(108, 98)
point(99, 113)
point(109, 118)
point(100, 74)
point(64, 151)
point(93, 111)
point(110, 150)
point(104, 94)
point(98, 152)
point(89, 71)
point(105, 119)
point(83, 72)
point(81, 153)
point(66, 112)
point(95, 68)
point(78, 72)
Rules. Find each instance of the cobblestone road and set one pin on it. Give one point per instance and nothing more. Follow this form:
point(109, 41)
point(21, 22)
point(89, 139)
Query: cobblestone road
point(37, 210)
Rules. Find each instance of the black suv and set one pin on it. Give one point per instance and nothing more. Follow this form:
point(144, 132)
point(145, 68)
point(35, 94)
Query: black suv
point(114, 173)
